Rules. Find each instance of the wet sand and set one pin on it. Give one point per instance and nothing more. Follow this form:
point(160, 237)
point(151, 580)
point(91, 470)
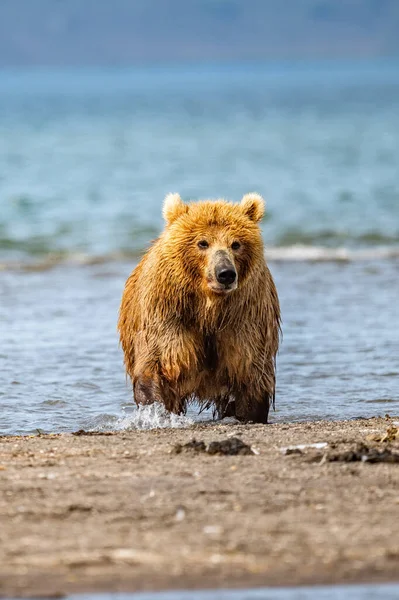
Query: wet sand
point(125, 512)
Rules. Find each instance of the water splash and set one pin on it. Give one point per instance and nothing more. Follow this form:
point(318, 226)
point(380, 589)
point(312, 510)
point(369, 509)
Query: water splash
point(305, 253)
point(153, 417)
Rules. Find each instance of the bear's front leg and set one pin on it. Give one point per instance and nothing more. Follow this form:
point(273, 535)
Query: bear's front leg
point(251, 409)
point(225, 407)
point(172, 397)
point(177, 369)
point(146, 391)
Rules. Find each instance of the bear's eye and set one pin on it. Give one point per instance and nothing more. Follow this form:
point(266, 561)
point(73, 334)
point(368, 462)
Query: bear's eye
point(235, 245)
point(203, 244)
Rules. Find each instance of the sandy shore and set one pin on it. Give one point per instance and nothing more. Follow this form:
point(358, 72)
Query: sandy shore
point(126, 512)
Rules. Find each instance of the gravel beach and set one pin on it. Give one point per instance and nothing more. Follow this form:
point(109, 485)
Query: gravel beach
point(137, 510)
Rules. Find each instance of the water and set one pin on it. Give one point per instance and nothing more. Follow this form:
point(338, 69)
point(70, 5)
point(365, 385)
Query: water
point(349, 592)
point(336, 592)
point(86, 158)
point(62, 368)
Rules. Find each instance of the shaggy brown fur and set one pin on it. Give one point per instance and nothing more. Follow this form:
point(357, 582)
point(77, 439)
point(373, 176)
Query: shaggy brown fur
point(187, 337)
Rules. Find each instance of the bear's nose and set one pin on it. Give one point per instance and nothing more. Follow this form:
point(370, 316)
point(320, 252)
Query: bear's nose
point(226, 276)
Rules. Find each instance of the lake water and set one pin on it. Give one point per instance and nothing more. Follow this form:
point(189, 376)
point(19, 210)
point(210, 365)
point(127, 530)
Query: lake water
point(338, 592)
point(86, 158)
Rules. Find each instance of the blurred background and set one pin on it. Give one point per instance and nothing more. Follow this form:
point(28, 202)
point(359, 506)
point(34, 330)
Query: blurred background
point(106, 106)
point(126, 32)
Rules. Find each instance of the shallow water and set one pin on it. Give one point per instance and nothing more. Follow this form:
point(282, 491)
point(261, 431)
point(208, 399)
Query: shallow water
point(85, 160)
point(62, 367)
point(339, 592)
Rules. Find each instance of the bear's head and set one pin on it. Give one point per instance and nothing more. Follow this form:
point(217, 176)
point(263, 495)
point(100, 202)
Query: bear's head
point(214, 245)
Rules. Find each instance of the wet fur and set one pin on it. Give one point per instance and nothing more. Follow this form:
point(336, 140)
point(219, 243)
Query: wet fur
point(183, 343)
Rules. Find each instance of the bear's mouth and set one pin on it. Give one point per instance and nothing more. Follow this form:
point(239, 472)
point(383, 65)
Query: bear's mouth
point(221, 290)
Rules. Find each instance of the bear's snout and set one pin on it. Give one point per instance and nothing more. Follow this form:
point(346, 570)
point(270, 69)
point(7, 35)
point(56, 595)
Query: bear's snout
point(226, 275)
point(224, 271)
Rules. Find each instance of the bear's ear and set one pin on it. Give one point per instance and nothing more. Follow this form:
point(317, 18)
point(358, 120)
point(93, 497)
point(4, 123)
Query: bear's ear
point(173, 207)
point(253, 206)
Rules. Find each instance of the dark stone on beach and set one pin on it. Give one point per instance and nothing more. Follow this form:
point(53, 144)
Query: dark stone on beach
point(229, 447)
point(193, 445)
point(290, 451)
point(84, 432)
point(363, 453)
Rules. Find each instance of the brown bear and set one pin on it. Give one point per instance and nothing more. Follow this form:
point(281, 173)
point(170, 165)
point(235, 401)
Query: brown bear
point(200, 317)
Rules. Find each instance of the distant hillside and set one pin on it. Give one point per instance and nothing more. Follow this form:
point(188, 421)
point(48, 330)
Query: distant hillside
point(106, 32)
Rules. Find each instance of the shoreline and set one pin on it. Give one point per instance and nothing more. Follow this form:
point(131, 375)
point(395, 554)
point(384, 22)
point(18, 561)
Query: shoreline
point(126, 511)
point(296, 252)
